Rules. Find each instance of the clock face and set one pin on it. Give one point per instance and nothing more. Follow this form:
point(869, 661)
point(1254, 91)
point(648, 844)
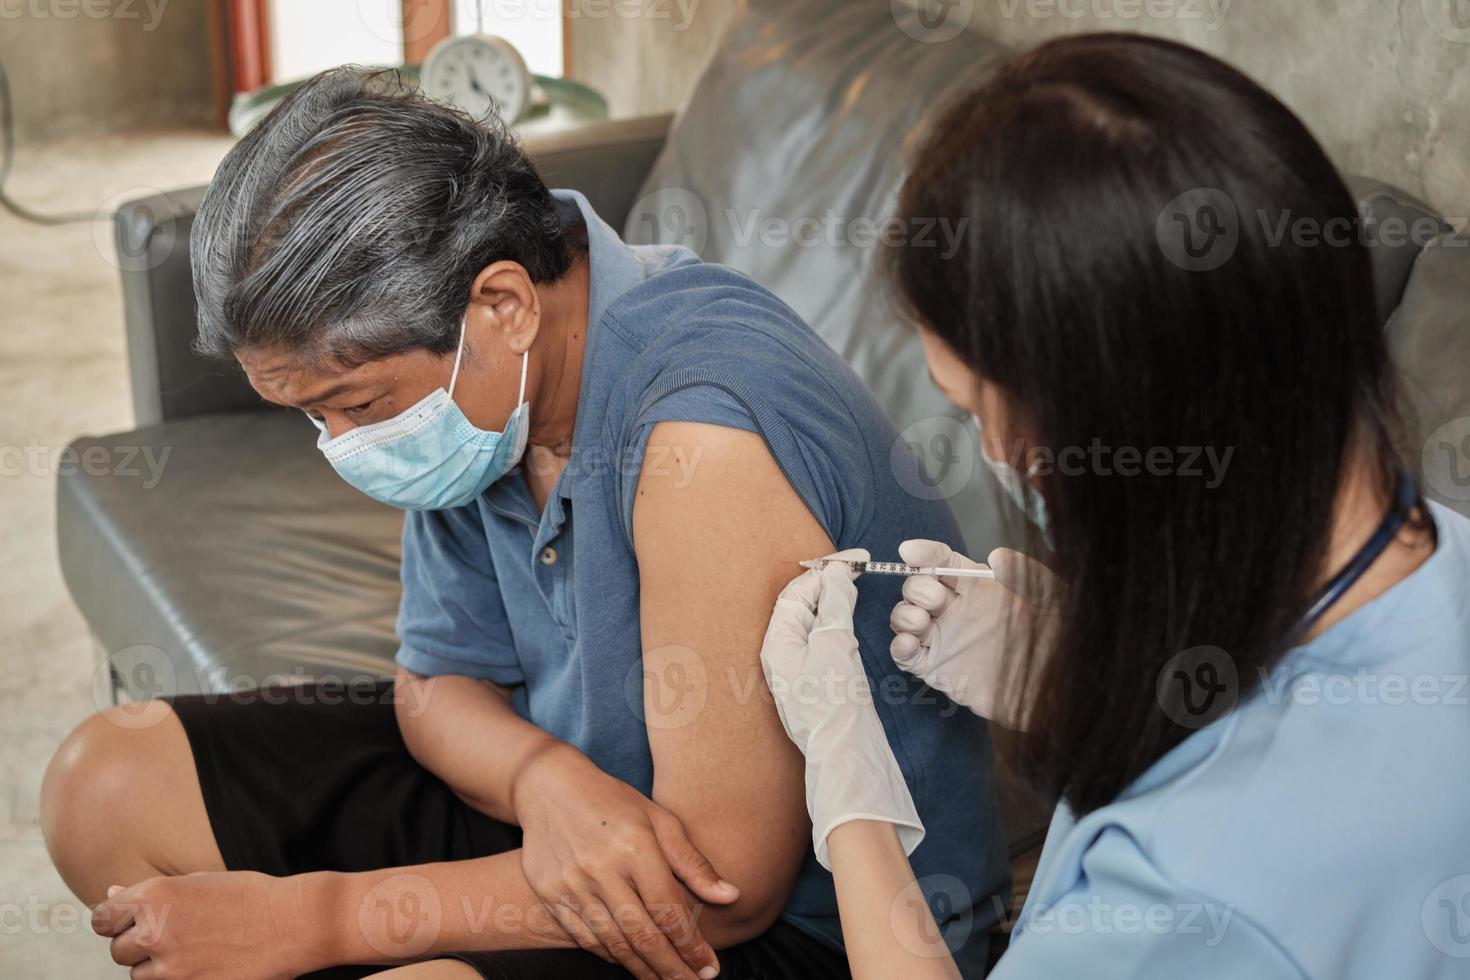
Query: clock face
point(480, 74)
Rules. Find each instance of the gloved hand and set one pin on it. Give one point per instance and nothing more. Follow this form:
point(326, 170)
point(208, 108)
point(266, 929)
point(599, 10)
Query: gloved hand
point(815, 672)
point(954, 634)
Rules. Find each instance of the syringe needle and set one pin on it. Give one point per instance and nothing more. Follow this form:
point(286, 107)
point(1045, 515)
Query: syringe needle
point(899, 568)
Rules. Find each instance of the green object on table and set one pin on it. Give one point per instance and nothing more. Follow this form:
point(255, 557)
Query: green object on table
point(564, 99)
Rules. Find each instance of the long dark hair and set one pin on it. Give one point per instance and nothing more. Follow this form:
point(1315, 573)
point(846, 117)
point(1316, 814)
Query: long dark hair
point(1157, 255)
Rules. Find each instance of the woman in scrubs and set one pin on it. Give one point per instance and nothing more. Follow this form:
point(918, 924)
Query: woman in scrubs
point(1241, 668)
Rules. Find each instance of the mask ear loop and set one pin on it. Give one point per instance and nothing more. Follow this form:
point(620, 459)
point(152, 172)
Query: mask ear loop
point(458, 355)
point(1031, 470)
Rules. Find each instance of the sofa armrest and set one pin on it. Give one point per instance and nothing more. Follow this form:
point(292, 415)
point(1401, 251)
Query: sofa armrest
point(168, 379)
point(606, 161)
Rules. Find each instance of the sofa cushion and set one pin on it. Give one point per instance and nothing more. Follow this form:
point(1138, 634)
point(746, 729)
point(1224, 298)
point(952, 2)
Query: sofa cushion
point(222, 549)
point(169, 380)
point(784, 162)
point(1396, 228)
point(1429, 336)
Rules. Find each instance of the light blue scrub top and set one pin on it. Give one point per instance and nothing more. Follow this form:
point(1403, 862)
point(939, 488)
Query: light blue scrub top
point(1321, 829)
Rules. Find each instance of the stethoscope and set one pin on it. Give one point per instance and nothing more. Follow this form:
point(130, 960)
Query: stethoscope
point(1406, 498)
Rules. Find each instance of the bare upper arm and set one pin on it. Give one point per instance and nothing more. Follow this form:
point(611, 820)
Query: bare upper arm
point(718, 532)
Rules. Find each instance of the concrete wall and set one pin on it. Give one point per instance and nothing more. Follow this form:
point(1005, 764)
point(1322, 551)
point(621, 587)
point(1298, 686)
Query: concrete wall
point(643, 56)
point(106, 65)
point(1385, 84)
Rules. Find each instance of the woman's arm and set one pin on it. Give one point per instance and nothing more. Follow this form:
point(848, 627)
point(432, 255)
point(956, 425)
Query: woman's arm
point(866, 824)
point(886, 922)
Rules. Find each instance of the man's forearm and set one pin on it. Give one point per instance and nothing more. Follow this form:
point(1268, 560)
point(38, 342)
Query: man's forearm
point(466, 732)
point(399, 915)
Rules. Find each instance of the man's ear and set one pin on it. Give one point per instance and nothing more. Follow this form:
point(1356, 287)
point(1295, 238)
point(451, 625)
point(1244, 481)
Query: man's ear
point(504, 301)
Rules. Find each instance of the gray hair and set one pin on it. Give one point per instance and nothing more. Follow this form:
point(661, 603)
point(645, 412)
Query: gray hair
point(351, 223)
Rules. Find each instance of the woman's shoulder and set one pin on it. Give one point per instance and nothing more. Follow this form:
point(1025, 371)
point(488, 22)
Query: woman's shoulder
point(1325, 828)
point(1453, 527)
point(1328, 797)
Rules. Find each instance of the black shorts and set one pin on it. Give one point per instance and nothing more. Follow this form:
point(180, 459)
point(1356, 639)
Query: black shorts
point(318, 778)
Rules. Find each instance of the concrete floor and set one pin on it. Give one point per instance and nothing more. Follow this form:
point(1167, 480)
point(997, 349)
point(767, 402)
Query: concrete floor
point(63, 373)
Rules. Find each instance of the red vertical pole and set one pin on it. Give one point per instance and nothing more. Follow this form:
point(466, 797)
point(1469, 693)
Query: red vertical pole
point(425, 24)
point(247, 24)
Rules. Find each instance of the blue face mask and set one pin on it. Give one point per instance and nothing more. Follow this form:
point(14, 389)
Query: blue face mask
point(431, 456)
point(1016, 486)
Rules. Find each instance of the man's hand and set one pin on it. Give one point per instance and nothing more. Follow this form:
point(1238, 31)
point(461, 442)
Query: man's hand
point(605, 859)
point(224, 925)
point(596, 855)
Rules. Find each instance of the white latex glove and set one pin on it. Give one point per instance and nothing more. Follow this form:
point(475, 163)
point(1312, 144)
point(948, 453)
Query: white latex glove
point(815, 672)
point(955, 633)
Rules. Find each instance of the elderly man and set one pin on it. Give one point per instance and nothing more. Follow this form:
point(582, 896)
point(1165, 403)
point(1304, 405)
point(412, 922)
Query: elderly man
point(489, 356)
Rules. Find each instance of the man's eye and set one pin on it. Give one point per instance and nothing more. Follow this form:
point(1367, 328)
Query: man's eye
point(358, 409)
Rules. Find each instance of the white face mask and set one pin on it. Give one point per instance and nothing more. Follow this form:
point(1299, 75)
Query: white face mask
point(431, 456)
point(1015, 485)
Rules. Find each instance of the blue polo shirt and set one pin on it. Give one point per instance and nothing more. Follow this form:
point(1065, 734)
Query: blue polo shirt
point(546, 603)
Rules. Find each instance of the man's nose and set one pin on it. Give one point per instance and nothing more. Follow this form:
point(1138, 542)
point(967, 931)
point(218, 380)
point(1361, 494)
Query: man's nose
point(337, 423)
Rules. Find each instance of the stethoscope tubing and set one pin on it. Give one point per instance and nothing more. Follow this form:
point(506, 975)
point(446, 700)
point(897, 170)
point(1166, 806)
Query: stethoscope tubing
point(1406, 498)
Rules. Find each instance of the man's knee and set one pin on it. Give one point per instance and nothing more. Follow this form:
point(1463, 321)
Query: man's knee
point(106, 781)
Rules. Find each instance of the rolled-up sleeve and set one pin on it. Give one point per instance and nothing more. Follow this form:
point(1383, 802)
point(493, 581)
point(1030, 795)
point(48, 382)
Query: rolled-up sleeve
point(452, 619)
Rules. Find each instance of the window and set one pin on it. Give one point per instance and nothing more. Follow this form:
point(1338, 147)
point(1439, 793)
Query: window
point(306, 38)
point(533, 26)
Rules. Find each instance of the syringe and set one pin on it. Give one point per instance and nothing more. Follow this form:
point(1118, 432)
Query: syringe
point(899, 568)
